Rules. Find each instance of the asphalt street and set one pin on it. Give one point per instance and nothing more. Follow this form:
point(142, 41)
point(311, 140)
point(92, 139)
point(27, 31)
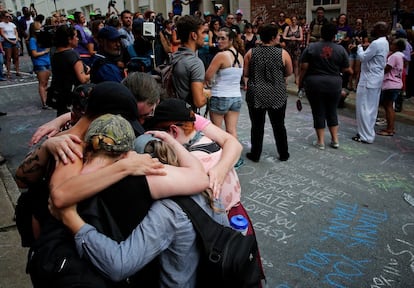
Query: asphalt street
point(324, 218)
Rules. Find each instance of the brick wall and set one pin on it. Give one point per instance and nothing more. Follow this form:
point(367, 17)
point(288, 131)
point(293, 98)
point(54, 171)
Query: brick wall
point(369, 10)
point(269, 9)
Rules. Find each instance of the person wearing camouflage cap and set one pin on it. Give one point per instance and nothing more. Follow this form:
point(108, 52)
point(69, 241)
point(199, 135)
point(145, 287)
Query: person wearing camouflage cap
point(111, 133)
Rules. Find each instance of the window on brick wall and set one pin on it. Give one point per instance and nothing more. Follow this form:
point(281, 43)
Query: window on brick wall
point(332, 7)
point(326, 2)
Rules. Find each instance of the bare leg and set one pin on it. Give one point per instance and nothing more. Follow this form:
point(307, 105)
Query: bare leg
point(389, 115)
point(320, 133)
point(43, 77)
point(296, 71)
point(334, 133)
point(230, 120)
point(217, 119)
point(8, 60)
point(15, 54)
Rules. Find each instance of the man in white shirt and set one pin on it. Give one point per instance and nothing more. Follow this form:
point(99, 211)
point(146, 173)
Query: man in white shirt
point(373, 61)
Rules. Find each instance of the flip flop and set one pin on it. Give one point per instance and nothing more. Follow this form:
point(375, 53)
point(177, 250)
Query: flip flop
point(358, 139)
point(385, 133)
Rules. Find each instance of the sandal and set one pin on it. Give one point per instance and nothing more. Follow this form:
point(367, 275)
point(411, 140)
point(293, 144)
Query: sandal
point(358, 139)
point(385, 133)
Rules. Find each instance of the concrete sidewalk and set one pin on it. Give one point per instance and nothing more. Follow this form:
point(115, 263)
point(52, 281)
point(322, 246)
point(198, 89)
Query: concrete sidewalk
point(11, 252)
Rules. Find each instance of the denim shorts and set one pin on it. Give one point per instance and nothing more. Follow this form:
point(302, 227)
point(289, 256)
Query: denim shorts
point(390, 95)
point(40, 68)
point(353, 56)
point(222, 105)
point(8, 45)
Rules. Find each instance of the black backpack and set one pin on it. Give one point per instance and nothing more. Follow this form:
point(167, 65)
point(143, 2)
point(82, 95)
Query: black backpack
point(165, 73)
point(53, 261)
point(228, 258)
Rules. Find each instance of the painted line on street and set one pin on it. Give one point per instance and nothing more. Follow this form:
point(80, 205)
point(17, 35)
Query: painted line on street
point(19, 84)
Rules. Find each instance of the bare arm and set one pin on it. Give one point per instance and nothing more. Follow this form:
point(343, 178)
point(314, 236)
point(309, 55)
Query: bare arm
point(86, 185)
point(198, 96)
point(287, 61)
point(284, 35)
point(231, 153)
point(300, 34)
point(210, 39)
point(36, 54)
point(33, 167)
point(50, 128)
point(247, 58)
point(174, 39)
point(214, 66)
point(80, 73)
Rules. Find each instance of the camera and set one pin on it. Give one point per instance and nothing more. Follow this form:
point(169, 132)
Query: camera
point(111, 3)
point(148, 29)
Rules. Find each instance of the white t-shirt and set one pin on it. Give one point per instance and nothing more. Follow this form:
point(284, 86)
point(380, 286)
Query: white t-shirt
point(8, 29)
point(28, 22)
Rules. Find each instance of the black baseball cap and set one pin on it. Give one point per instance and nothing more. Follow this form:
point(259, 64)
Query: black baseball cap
point(114, 98)
point(172, 109)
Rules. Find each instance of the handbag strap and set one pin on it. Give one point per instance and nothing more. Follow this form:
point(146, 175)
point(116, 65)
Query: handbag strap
point(201, 220)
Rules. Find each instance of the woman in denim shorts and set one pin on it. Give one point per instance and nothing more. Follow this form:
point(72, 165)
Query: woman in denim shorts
point(224, 73)
point(41, 62)
point(8, 31)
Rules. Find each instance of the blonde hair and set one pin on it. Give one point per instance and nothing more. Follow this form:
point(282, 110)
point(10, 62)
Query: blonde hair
point(165, 153)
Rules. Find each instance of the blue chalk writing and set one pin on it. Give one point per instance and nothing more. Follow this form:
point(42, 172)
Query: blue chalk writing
point(354, 226)
point(343, 268)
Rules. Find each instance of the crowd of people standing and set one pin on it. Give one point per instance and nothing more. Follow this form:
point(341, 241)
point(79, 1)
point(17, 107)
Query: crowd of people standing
point(109, 47)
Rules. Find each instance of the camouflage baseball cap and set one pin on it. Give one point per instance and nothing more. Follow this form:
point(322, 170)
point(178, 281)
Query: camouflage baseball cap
point(111, 133)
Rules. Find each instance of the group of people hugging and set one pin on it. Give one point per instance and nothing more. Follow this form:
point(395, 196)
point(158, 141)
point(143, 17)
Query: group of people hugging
point(106, 155)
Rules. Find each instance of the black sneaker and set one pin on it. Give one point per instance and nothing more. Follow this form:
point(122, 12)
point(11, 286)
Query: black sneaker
point(252, 158)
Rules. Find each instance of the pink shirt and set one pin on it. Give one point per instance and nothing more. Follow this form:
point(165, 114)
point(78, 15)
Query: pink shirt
point(393, 79)
point(201, 122)
point(231, 190)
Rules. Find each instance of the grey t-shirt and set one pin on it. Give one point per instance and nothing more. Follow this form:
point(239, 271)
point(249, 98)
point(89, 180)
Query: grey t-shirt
point(188, 69)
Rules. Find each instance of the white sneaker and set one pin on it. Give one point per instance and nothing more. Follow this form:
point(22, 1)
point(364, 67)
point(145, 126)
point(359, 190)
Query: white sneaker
point(319, 146)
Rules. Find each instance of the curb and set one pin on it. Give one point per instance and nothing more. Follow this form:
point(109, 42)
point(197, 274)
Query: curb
point(10, 185)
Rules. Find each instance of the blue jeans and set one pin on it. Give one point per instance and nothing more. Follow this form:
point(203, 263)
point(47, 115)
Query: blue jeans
point(1, 65)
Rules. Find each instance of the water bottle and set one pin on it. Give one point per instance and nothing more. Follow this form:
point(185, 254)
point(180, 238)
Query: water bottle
point(239, 223)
